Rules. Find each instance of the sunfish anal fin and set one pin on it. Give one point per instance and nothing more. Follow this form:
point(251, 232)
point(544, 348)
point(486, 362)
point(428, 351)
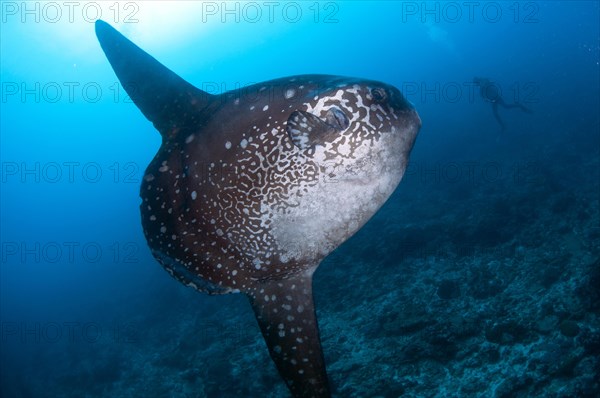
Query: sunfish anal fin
point(286, 315)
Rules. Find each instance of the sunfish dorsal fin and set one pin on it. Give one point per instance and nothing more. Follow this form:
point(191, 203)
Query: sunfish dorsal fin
point(164, 98)
point(286, 315)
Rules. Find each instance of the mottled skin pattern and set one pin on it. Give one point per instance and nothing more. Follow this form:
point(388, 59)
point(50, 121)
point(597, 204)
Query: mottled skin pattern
point(234, 188)
point(251, 189)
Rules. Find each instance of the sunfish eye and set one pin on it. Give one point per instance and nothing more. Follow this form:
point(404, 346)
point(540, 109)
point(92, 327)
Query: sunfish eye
point(337, 119)
point(379, 94)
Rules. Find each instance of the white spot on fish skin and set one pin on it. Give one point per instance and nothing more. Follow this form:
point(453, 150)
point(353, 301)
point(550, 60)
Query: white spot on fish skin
point(290, 93)
point(220, 232)
point(163, 168)
point(189, 138)
point(265, 107)
point(219, 265)
point(163, 229)
point(173, 237)
point(244, 143)
point(194, 195)
point(277, 349)
point(234, 272)
point(153, 218)
point(228, 145)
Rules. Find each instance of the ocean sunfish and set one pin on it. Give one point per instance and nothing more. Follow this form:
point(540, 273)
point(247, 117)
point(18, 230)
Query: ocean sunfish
point(251, 189)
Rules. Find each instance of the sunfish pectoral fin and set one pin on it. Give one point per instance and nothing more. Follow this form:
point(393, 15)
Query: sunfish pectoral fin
point(164, 98)
point(286, 316)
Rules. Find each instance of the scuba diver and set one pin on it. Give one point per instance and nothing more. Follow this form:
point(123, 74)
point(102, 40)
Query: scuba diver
point(491, 92)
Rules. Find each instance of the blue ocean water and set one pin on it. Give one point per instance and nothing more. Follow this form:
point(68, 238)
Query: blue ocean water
point(479, 277)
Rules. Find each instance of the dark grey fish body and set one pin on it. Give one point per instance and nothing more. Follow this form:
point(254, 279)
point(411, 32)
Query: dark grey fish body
point(251, 189)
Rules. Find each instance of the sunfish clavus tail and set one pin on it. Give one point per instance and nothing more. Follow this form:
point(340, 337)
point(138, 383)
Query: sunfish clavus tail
point(252, 188)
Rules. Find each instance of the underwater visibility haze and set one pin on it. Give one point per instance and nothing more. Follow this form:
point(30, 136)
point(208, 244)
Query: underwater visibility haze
point(421, 179)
